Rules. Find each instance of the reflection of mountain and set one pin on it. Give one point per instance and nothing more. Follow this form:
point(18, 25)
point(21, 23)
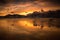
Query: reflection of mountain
point(49, 14)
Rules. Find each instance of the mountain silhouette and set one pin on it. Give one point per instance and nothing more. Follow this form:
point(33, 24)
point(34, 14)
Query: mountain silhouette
point(48, 14)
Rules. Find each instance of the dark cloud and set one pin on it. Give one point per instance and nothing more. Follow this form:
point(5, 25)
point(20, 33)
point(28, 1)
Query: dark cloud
point(5, 1)
point(16, 1)
point(55, 2)
point(2, 1)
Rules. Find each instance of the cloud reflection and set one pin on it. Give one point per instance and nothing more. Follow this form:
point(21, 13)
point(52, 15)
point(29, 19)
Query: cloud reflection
point(23, 29)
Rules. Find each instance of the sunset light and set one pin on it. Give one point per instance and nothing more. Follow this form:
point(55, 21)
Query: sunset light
point(25, 24)
point(29, 19)
point(25, 13)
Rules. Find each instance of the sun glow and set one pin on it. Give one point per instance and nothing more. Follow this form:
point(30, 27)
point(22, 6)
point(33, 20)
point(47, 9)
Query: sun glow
point(25, 13)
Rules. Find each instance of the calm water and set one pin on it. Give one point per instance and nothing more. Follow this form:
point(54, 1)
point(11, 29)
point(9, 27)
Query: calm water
point(30, 29)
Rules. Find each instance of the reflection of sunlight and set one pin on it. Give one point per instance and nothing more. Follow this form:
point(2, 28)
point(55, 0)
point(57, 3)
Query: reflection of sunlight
point(25, 23)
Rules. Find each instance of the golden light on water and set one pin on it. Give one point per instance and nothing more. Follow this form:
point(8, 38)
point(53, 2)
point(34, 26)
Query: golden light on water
point(25, 26)
point(25, 23)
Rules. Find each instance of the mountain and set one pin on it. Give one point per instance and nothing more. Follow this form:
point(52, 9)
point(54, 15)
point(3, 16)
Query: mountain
point(12, 16)
point(48, 14)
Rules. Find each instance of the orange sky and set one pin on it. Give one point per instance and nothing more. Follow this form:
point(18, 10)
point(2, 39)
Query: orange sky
point(25, 8)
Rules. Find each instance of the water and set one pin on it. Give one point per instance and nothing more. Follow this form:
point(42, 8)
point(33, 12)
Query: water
point(25, 29)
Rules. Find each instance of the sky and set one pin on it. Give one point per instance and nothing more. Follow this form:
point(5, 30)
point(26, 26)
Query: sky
point(23, 7)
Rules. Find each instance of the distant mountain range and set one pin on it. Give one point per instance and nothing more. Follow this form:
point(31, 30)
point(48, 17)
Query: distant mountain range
point(49, 14)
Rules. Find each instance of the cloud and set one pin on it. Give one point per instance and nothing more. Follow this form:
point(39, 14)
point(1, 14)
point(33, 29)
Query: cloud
point(35, 2)
point(18, 1)
point(27, 5)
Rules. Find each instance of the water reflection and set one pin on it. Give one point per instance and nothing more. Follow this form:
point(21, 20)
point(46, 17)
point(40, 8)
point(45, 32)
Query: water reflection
point(30, 29)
